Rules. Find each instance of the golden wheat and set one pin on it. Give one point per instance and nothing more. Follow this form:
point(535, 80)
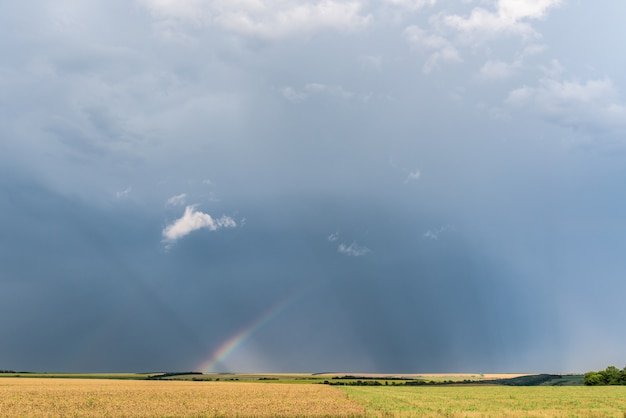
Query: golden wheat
point(35, 397)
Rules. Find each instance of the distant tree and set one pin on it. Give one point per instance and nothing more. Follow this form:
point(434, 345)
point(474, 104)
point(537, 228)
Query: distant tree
point(593, 379)
point(609, 376)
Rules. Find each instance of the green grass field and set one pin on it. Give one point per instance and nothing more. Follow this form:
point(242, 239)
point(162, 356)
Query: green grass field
point(491, 401)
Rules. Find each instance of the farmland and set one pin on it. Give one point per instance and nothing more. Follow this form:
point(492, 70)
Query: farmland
point(211, 395)
point(491, 401)
point(38, 397)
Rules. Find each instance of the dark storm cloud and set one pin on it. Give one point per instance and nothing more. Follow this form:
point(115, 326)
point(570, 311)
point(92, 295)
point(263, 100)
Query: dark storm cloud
point(468, 170)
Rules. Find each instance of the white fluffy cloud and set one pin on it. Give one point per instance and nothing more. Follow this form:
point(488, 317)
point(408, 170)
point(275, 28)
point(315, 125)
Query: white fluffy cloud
point(263, 18)
point(450, 33)
point(590, 105)
point(522, 9)
point(193, 220)
point(440, 48)
point(353, 250)
point(509, 16)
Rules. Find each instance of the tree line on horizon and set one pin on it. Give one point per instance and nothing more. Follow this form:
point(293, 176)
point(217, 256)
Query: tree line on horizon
point(609, 376)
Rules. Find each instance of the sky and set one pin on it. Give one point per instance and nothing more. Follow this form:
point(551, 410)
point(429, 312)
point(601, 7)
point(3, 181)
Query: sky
point(393, 186)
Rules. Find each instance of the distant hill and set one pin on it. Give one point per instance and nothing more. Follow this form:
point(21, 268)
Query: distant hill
point(539, 380)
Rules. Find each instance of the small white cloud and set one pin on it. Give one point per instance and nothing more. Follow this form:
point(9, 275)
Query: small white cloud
point(123, 193)
point(434, 235)
point(353, 250)
point(590, 105)
point(413, 176)
point(525, 9)
point(440, 48)
point(193, 220)
point(333, 237)
point(178, 200)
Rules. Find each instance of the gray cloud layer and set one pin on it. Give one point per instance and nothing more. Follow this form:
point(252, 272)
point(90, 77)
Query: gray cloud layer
point(343, 140)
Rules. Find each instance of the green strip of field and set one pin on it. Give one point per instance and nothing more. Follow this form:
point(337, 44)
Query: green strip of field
point(491, 401)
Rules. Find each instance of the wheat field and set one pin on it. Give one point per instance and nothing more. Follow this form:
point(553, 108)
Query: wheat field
point(34, 397)
point(77, 397)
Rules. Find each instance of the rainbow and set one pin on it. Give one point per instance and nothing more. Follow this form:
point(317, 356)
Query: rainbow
point(239, 338)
